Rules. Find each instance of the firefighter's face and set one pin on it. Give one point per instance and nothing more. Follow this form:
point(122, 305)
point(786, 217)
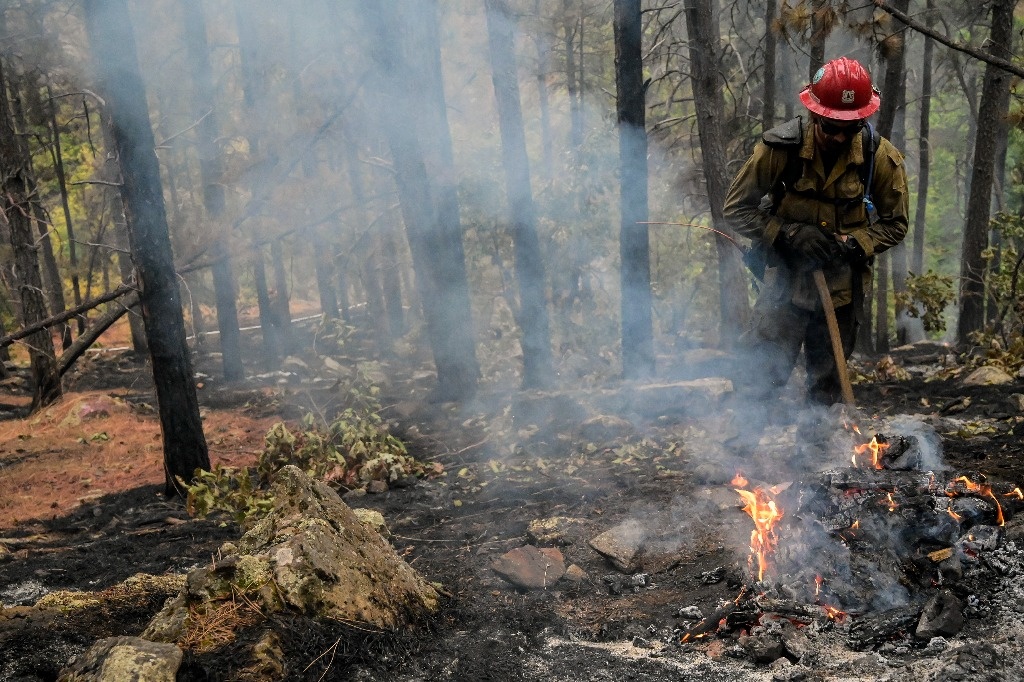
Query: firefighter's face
point(832, 135)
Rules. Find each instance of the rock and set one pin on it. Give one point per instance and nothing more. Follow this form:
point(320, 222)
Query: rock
point(762, 648)
point(690, 613)
point(310, 554)
point(373, 520)
point(115, 659)
point(576, 574)
point(604, 428)
point(1016, 400)
point(376, 487)
point(943, 616)
point(530, 567)
point(621, 544)
point(987, 376)
point(23, 594)
point(553, 530)
point(294, 364)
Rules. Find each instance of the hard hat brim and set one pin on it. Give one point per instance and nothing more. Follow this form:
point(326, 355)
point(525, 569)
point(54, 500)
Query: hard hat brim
point(816, 107)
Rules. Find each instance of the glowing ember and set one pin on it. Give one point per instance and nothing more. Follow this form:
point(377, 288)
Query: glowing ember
point(954, 515)
point(1016, 492)
point(876, 449)
point(833, 613)
point(818, 580)
point(739, 480)
point(985, 490)
point(765, 513)
point(893, 506)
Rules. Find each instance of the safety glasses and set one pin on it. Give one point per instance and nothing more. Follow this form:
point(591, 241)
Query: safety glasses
point(833, 128)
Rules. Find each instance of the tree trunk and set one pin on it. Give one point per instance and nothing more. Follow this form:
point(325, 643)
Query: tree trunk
point(533, 313)
point(924, 144)
point(703, 33)
point(569, 25)
point(418, 135)
point(992, 126)
point(820, 29)
point(770, 49)
point(282, 297)
point(542, 41)
point(211, 171)
point(109, 29)
point(17, 209)
point(634, 244)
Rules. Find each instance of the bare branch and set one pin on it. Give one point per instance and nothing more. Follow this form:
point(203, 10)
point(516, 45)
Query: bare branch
point(952, 44)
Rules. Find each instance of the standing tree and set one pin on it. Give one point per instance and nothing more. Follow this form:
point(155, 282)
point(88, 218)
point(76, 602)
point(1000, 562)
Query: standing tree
point(992, 125)
point(109, 28)
point(770, 49)
point(17, 208)
point(634, 245)
point(412, 112)
point(924, 145)
point(702, 29)
point(213, 189)
point(532, 314)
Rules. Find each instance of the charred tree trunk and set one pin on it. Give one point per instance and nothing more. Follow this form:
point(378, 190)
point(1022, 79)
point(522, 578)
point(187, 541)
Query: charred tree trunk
point(430, 212)
point(702, 30)
point(770, 49)
point(280, 302)
point(210, 169)
point(634, 242)
point(924, 145)
point(542, 41)
point(533, 313)
point(113, 45)
point(569, 25)
point(820, 28)
point(992, 125)
point(17, 209)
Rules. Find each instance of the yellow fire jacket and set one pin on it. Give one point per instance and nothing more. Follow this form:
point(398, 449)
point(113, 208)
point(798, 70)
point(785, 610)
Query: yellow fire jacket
point(833, 203)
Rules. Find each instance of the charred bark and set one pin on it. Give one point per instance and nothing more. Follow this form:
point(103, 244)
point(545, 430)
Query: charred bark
point(111, 37)
point(529, 265)
point(17, 208)
point(210, 169)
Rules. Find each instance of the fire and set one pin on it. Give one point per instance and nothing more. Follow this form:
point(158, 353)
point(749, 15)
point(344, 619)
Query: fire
point(765, 513)
point(875, 447)
point(818, 580)
point(893, 505)
point(739, 480)
point(985, 490)
point(833, 613)
point(954, 515)
point(1016, 492)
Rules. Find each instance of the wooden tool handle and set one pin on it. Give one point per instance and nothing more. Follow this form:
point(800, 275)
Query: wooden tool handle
point(833, 333)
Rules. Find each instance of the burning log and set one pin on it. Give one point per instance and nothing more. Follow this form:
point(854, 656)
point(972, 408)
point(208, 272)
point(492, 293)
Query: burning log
point(709, 625)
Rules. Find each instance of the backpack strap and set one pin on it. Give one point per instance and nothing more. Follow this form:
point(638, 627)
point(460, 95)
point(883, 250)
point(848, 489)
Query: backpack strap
point(787, 136)
point(867, 169)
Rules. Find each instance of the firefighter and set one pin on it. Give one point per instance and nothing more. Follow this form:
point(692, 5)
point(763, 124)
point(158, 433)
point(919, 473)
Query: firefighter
point(819, 192)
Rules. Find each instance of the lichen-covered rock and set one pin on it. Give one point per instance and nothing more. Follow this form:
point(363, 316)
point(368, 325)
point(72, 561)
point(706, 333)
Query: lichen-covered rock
point(310, 554)
point(987, 376)
point(125, 659)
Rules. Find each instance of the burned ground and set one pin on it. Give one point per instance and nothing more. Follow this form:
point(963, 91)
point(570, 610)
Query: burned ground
point(89, 522)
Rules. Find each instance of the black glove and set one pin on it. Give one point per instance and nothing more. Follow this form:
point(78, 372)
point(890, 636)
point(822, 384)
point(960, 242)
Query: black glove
point(850, 251)
point(806, 247)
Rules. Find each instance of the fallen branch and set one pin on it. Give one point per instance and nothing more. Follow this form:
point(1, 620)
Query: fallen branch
point(121, 290)
point(100, 325)
point(950, 43)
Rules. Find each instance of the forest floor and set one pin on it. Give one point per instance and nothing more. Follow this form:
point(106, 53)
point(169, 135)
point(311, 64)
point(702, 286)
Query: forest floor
point(81, 510)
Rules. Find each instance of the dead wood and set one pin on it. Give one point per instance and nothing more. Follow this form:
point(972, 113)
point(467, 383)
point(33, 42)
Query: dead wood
point(879, 627)
point(121, 290)
point(100, 325)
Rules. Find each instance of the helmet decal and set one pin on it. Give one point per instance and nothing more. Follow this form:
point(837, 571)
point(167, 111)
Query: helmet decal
point(841, 89)
point(818, 75)
point(848, 96)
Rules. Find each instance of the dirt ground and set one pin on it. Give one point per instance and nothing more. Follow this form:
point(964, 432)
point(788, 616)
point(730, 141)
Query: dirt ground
point(81, 510)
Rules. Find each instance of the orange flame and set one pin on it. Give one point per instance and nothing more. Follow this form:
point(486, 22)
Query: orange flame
point(893, 505)
point(1016, 492)
point(818, 580)
point(833, 613)
point(876, 448)
point(985, 490)
point(765, 513)
point(954, 514)
point(739, 480)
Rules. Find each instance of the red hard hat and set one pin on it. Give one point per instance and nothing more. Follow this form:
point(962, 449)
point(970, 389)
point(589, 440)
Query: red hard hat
point(841, 90)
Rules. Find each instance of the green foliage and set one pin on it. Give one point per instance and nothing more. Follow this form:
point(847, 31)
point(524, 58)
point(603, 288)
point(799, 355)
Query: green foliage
point(353, 450)
point(927, 297)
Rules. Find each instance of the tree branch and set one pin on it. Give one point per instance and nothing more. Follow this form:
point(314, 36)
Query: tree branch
point(948, 42)
point(66, 315)
point(102, 323)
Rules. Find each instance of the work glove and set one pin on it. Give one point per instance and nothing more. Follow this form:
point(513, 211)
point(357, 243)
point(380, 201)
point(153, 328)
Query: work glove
point(806, 247)
point(850, 251)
